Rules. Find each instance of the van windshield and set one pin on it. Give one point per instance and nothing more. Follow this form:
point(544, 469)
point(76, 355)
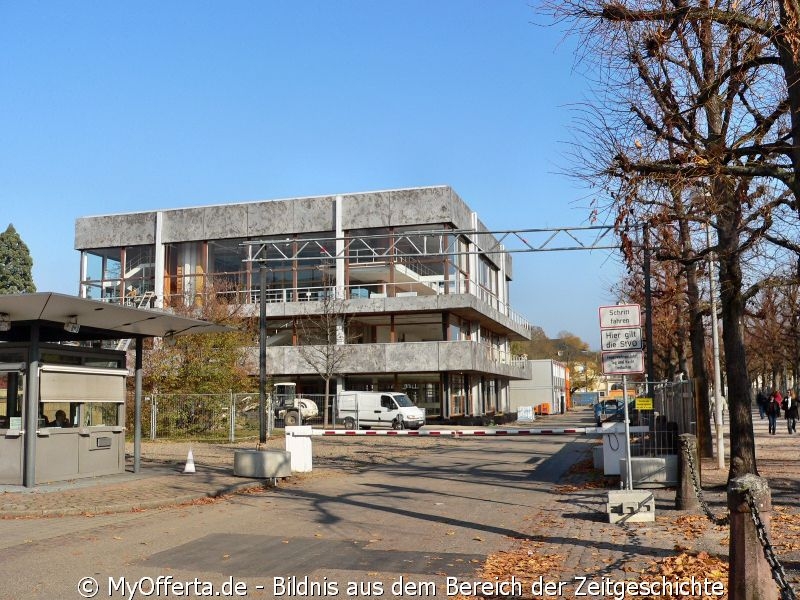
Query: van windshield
point(402, 400)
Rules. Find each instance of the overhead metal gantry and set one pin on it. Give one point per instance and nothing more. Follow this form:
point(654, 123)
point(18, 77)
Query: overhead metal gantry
point(432, 243)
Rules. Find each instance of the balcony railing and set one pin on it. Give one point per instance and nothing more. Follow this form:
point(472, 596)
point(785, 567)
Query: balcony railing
point(416, 284)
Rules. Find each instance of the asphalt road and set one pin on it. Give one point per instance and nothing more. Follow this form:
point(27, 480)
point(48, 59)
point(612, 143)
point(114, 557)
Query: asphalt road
point(356, 529)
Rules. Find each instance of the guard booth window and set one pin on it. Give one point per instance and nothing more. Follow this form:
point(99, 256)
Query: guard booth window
point(11, 395)
point(90, 396)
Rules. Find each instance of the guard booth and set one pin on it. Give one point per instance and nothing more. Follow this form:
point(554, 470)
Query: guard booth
point(62, 395)
point(81, 412)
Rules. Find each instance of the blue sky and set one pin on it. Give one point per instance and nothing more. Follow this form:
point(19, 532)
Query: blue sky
point(119, 107)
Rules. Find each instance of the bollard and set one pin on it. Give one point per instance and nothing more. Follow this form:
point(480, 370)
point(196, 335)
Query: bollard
point(749, 577)
point(686, 496)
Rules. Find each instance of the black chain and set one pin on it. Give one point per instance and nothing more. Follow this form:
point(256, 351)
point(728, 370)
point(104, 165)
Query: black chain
point(787, 593)
point(698, 491)
point(778, 574)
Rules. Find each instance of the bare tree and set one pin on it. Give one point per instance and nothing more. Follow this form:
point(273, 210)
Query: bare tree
point(323, 342)
point(696, 100)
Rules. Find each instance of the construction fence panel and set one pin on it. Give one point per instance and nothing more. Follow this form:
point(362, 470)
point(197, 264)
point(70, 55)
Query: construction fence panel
point(218, 417)
point(213, 417)
point(673, 413)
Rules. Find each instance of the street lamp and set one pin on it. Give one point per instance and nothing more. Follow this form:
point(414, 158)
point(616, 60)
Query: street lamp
point(715, 346)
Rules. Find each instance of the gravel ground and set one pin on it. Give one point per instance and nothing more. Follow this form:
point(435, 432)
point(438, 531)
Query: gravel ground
point(347, 455)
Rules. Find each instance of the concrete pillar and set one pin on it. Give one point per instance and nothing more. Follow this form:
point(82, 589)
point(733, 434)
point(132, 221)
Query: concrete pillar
point(749, 577)
point(686, 497)
point(158, 258)
point(340, 253)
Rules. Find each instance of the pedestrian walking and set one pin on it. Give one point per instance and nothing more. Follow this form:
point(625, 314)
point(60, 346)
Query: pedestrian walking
point(761, 402)
point(790, 411)
point(773, 410)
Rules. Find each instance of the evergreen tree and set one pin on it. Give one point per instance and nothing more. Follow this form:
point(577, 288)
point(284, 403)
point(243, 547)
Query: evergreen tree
point(16, 264)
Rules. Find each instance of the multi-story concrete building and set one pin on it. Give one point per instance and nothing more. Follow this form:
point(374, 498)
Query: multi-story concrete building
point(420, 289)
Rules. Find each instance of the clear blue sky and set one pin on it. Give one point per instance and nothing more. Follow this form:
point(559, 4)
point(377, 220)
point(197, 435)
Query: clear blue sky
point(117, 107)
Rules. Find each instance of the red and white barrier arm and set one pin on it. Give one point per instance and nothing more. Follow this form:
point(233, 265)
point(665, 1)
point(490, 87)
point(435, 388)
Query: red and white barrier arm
point(450, 432)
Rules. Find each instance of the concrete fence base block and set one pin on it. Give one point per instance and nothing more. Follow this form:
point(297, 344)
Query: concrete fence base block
point(261, 464)
point(651, 471)
point(298, 444)
point(631, 506)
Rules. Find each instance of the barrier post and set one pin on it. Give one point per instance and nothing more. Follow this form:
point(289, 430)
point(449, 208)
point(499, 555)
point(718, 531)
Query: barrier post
point(686, 496)
point(298, 445)
point(749, 577)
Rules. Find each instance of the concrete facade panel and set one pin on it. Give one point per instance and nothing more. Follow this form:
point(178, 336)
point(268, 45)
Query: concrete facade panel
point(113, 231)
point(275, 359)
point(412, 357)
point(184, 225)
point(366, 358)
point(457, 356)
point(460, 213)
point(313, 215)
point(270, 218)
point(224, 222)
point(395, 208)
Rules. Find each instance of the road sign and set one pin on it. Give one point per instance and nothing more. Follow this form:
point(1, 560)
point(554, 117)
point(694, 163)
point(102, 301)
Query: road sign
point(623, 363)
point(620, 315)
point(621, 338)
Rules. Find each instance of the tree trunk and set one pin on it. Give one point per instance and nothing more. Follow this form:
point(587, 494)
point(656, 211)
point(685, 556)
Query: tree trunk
point(326, 402)
point(743, 456)
point(697, 340)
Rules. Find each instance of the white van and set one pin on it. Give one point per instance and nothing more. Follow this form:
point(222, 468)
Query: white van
point(379, 409)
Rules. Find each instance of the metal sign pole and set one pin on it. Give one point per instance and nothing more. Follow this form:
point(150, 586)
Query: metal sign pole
point(628, 469)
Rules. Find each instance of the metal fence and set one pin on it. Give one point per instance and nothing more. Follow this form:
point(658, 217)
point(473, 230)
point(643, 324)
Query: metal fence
point(673, 413)
point(216, 417)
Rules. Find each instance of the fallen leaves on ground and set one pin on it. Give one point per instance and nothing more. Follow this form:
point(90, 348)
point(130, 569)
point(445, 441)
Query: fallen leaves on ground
point(525, 562)
point(785, 529)
point(692, 526)
point(682, 567)
point(586, 485)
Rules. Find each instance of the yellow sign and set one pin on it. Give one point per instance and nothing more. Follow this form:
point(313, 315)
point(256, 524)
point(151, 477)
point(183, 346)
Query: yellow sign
point(644, 404)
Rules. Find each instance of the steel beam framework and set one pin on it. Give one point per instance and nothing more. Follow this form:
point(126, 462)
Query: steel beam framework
point(440, 242)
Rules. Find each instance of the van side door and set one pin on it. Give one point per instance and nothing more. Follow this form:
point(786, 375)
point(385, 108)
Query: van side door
point(388, 409)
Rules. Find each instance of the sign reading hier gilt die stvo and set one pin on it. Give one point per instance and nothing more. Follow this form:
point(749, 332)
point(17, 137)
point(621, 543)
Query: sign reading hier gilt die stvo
point(621, 339)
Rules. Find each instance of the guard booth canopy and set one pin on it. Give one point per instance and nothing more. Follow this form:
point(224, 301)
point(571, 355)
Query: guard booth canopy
point(62, 396)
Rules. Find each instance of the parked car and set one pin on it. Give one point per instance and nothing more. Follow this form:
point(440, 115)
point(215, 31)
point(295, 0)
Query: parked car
point(615, 411)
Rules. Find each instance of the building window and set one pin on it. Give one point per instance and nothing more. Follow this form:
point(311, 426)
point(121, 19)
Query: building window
point(227, 270)
point(458, 395)
point(185, 272)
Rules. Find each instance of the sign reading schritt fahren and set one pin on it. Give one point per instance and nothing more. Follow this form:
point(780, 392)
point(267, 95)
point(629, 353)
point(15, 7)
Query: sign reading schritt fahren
point(621, 339)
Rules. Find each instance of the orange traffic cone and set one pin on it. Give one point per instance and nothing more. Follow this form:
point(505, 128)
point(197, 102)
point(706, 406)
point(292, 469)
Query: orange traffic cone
point(189, 468)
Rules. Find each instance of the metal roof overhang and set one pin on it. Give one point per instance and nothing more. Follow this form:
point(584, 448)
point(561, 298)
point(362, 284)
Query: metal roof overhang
point(97, 320)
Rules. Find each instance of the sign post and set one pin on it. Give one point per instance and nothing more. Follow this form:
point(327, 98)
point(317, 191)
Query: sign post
point(621, 346)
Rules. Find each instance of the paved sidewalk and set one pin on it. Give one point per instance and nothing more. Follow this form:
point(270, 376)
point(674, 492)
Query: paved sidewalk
point(157, 485)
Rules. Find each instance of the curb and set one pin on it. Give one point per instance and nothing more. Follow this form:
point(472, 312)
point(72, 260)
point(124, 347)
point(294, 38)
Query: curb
point(172, 501)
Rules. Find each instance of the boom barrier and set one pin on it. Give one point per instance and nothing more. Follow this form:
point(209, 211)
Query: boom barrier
point(449, 432)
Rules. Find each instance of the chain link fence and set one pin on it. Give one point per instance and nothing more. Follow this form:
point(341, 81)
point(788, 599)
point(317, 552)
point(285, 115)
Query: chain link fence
point(220, 417)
